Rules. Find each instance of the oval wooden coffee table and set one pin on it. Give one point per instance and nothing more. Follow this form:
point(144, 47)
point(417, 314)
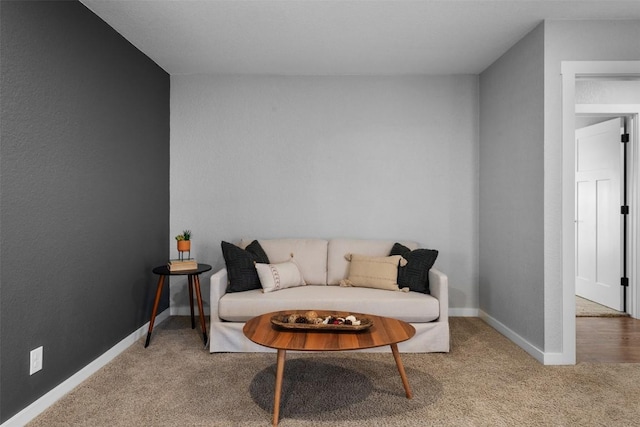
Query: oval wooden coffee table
point(384, 331)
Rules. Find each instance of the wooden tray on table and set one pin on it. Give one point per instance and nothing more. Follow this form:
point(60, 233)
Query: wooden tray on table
point(280, 321)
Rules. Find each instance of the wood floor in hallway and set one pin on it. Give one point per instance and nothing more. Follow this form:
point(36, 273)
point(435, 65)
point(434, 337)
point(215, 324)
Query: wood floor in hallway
point(607, 340)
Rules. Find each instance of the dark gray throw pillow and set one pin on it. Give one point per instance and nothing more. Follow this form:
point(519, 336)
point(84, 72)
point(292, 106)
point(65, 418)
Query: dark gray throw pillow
point(415, 275)
point(241, 269)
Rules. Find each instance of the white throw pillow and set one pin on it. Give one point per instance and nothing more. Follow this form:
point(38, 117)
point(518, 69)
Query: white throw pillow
point(274, 277)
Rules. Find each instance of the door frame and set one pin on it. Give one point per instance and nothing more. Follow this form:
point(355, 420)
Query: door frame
point(570, 70)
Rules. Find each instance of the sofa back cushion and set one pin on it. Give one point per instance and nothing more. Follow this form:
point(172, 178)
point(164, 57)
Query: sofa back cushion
point(309, 254)
point(337, 264)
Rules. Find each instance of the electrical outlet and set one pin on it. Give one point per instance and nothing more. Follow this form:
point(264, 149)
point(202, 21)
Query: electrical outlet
point(35, 360)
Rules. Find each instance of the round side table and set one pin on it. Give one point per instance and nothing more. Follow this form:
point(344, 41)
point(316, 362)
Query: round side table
point(194, 283)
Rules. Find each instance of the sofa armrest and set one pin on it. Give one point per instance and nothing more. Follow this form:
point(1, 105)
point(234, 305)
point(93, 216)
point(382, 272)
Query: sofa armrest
point(218, 289)
point(439, 287)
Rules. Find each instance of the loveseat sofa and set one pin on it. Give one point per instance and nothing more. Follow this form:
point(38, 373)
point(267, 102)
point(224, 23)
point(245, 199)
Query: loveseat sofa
point(324, 265)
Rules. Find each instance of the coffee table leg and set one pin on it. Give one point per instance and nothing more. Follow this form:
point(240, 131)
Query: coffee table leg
point(279, 374)
point(403, 375)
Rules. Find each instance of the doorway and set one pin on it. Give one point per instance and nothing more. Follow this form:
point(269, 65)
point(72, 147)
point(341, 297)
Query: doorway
point(571, 72)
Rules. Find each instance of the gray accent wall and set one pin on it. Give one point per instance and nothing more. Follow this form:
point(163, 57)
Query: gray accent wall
point(84, 185)
point(511, 209)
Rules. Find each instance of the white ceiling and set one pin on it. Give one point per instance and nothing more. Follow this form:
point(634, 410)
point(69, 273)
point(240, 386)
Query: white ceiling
point(333, 37)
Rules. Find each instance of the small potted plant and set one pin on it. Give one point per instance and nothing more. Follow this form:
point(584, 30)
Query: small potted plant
point(184, 241)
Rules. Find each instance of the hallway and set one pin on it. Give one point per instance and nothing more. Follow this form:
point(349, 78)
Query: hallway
point(607, 340)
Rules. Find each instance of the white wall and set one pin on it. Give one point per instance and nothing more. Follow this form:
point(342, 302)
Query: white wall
point(361, 157)
point(512, 189)
point(598, 91)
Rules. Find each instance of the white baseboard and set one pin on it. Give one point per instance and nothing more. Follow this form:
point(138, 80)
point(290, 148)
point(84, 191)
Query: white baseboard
point(40, 405)
point(534, 351)
point(557, 359)
point(463, 312)
point(186, 310)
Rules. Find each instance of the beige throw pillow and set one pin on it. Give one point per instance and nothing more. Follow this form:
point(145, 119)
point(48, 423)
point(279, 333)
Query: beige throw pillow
point(374, 272)
point(274, 277)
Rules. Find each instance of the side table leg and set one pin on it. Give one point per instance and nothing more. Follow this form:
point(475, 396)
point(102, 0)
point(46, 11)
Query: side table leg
point(203, 323)
point(155, 309)
point(403, 375)
point(279, 374)
point(190, 286)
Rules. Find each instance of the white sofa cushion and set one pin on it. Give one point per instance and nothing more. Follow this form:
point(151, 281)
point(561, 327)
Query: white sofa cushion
point(337, 264)
point(310, 255)
point(407, 306)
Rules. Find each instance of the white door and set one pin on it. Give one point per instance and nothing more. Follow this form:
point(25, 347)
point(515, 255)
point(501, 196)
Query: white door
point(598, 218)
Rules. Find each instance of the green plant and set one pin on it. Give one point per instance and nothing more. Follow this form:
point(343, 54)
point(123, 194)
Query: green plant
point(186, 235)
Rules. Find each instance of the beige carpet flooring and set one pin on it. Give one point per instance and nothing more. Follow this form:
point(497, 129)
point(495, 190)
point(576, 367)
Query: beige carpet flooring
point(586, 308)
point(484, 381)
